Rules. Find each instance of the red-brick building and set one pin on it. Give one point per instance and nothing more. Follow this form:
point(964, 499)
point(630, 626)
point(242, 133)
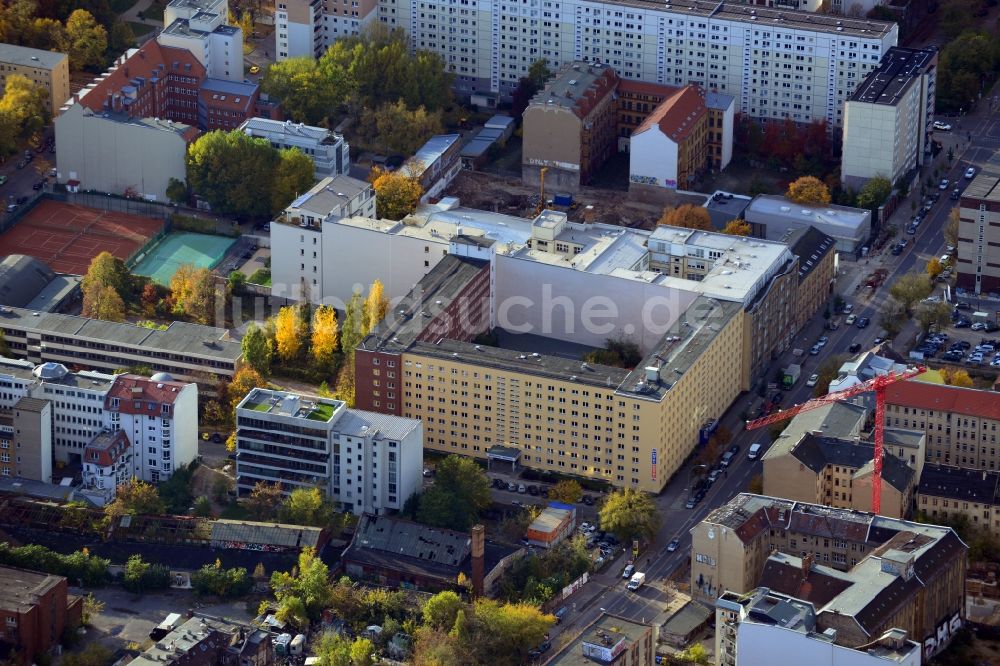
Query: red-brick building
point(35, 608)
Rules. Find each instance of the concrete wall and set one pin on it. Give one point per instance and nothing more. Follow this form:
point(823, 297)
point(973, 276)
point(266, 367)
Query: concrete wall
point(653, 159)
point(551, 137)
point(874, 139)
point(225, 56)
point(758, 643)
point(575, 296)
point(33, 443)
point(110, 156)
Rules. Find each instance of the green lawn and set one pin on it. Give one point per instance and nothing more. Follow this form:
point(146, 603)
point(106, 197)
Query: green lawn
point(121, 6)
point(261, 276)
point(140, 29)
point(262, 406)
point(323, 412)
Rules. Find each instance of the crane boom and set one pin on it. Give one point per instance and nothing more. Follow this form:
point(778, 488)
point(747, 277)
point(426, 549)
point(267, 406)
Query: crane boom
point(876, 384)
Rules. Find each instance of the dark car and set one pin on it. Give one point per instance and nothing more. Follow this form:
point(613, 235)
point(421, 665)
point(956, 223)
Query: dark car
point(963, 323)
point(532, 490)
point(39, 185)
point(854, 348)
point(395, 161)
point(672, 546)
point(734, 449)
point(863, 322)
point(588, 500)
point(536, 653)
point(897, 250)
point(962, 305)
point(217, 438)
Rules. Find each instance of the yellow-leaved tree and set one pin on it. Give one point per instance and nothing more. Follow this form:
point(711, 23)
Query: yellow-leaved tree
point(376, 306)
point(688, 216)
point(737, 227)
point(808, 190)
point(325, 335)
point(288, 332)
point(397, 193)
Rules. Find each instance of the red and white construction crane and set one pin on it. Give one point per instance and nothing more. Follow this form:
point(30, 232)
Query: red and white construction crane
point(878, 385)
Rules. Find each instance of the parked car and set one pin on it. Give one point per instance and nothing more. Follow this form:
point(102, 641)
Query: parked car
point(854, 348)
point(629, 570)
point(863, 322)
point(944, 127)
point(955, 193)
point(851, 319)
point(672, 546)
point(943, 185)
point(254, 69)
point(970, 173)
point(812, 380)
point(3, 179)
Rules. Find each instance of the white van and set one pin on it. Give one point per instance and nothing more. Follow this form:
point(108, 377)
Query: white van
point(754, 451)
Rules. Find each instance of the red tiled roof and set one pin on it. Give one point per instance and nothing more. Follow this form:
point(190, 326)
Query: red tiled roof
point(149, 394)
point(109, 447)
point(941, 398)
point(145, 63)
point(602, 86)
point(676, 116)
point(631, 86)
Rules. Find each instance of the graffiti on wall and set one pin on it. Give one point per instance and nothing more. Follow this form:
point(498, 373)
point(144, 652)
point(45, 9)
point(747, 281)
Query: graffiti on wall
point(939, 639)
point(643, 180)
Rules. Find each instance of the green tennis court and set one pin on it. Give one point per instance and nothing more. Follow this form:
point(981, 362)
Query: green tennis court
point(179, 248)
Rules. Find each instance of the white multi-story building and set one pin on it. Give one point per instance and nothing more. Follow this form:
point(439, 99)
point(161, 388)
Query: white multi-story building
point(887, 120)
point(159, 415)
point(305, 259)
point(107, 464)
point(776, 63)
point(370, 463)
point(329, 151)
point(752, 628)
point(309, 27)
point(201, 27)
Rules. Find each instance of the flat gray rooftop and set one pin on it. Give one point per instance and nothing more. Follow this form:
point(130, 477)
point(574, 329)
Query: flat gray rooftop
point(899, 68)
point(28, 57)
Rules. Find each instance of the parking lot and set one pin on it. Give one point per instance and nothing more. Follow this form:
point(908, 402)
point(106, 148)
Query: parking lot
point(970, 343)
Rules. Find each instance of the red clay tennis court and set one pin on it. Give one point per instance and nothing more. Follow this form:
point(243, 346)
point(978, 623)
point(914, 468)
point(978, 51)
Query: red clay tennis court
point(67, 236)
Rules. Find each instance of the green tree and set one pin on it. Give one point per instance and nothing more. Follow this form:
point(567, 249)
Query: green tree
point(504, 633)
point(108, 270)
point(932, 314)
point(256, 349)
point(193, 291)
point(213, 580)
point(629, 514)
point(141, 576)
point(95, 654)
point(177, 191)
point(264, 500)
point(102, 302)
point(176, 491)
point(440, 610)
point(539, 73)
point(92, 607)
point(874, 193)
point(121, 37)
point(306, 506)
point(352, 333)
point(203, 507)
point(950, 230)
point(136, 498)
point(397, 193)
point(963, 65)
point(362, 652)
point(567, 490)
point(892, 316)
point(310, 91)
point(86, 40)
point(394, 128)
point(460, 492)
point(911, 288)
point(233, 172)
point(309, 582)
point(696, 654)
point(294, 176)
point(236, 281)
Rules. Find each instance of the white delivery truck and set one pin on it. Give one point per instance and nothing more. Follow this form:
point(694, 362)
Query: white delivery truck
point(637, 580)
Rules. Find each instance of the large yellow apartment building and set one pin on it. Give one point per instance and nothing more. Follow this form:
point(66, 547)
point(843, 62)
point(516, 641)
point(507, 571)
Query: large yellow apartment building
point(520, 393)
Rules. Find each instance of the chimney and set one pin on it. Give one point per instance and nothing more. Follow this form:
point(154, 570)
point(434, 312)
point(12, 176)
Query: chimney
point(478, 559)
point(807, 562)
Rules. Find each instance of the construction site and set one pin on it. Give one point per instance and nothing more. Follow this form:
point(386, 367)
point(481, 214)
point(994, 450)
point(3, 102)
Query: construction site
point(500, 194)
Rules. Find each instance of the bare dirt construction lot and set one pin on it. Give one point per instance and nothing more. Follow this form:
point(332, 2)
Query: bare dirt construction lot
point(128, 618)
point(488, 191)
